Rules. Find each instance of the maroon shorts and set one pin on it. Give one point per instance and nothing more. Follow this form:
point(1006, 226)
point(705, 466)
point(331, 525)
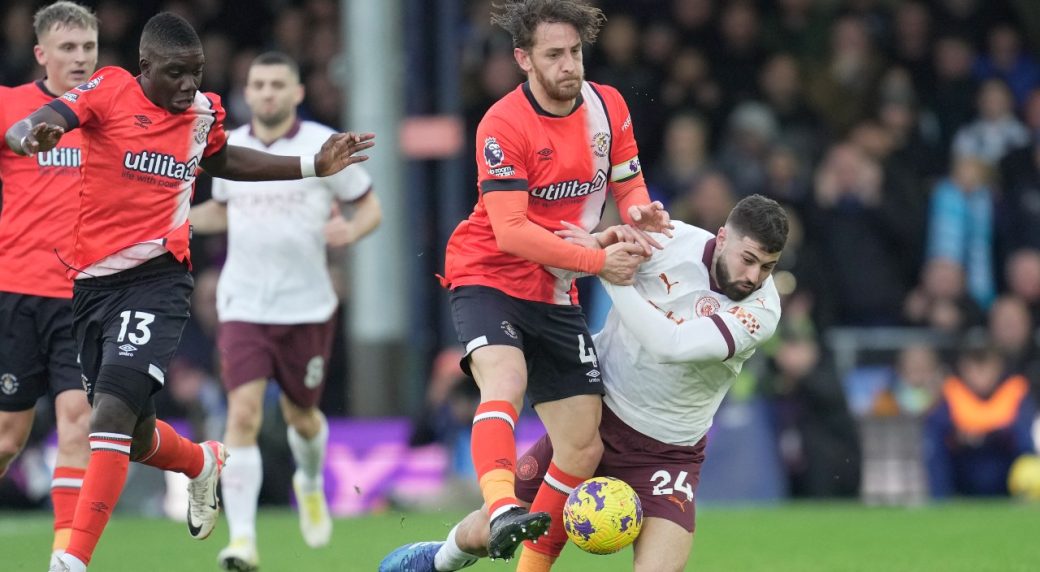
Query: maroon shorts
point(664, 476)
point(293, 355)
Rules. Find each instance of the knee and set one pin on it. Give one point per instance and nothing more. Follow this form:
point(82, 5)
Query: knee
point(244, 418)
point(306, 422)
point(659, 563)
point(588, 453)
point(9, 449)
point(73, 427)
point(504, 386)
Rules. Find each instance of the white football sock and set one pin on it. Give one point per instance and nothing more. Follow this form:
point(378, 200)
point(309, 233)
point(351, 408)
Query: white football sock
point(450, 557)
point(309, 454)
point(74, 564)
point(240, 483)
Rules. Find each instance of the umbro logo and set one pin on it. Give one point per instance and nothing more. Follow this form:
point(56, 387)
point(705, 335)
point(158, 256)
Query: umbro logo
point(127, 350)
point(545, 154)
point(142, 121)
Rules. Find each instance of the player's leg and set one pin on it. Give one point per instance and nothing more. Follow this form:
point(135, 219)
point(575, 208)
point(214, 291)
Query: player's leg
point(72, 415)
point(467, 541)
point(566, 387)
point(487, 322)
point(300, 358)
point(22, 375)
point(243, 475)
point(246, 365)
point(662, 546)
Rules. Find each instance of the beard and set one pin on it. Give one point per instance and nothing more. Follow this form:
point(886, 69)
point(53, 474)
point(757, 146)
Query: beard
point(556, 90)
point(274, 118)
point(733, 289)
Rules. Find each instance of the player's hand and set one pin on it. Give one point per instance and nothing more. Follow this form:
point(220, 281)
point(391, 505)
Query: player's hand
point(338, 230)
point(651, 218)
point(622, 261)
point(577, 235)
point(339, 150)
point(627, 233)
point(42, 138)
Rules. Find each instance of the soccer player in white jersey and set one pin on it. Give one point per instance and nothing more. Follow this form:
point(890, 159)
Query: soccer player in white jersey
point(671, 348)
point(276, 303)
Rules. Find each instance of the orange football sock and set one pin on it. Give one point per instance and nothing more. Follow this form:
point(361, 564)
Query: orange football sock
point(552, 495)
point(65, 486)
point(532, 561)
point(171, 452)
point(493, 447)
point(102, 485)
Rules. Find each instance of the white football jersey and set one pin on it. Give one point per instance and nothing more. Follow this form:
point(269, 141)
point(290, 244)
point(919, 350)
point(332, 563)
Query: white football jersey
point(698, 340)
point(276, 270)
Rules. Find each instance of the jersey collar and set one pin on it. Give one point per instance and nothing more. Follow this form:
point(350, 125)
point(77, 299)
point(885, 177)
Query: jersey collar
point(41, 83)
point(288, 134)
point(709, 254)
point(526, 87)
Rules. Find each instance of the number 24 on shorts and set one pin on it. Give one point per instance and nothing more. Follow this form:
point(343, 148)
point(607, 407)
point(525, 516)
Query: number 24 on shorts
point(662, 479)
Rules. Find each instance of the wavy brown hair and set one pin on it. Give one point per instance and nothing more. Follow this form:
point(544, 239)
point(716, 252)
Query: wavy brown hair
point(521, 18)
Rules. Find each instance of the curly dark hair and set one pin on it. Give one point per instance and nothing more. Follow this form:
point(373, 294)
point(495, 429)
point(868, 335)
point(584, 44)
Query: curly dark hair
point(521, 18)
point(761, 219)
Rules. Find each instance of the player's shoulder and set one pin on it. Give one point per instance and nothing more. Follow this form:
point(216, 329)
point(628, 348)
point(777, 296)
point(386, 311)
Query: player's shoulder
point(684, 235)
point(315, 130)
point(107, 74)
point(610, 94)
point(507, 108)
point(240, 135)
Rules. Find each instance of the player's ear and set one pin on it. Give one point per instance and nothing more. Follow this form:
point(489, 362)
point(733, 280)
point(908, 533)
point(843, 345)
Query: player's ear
point(41, 56)
point(523, 59)
point(301, 92)
point(720, 238)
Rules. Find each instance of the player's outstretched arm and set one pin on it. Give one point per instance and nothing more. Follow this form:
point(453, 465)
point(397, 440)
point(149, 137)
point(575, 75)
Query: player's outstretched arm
point(38, 133)
point(243, 164)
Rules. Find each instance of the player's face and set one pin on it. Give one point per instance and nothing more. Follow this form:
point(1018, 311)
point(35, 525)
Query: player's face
point(555, 60)
point(69, 54)
point(272, 93)
point(742, 265)
point(172, 79)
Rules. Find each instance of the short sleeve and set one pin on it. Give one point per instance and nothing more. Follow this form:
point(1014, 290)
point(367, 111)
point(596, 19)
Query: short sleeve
point(217, 138)
point(91, 101)
point(500, 156)
point(350, 184)
point(624, 157)
point(753, 321)
point(219, 190)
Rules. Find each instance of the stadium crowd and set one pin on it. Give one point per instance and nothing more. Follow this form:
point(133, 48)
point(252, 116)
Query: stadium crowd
point(903, 138)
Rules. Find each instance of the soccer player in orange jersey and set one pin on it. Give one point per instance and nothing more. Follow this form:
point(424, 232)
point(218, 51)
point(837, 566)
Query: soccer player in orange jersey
point(547, 153)
point(144, 140)
point(37, 351)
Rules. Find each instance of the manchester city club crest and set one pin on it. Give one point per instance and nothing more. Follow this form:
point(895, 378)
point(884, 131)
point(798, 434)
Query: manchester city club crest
point(601, 143)
point(8, 384)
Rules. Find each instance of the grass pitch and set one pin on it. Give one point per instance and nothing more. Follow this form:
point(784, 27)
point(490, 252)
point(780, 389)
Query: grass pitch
point(998, 536)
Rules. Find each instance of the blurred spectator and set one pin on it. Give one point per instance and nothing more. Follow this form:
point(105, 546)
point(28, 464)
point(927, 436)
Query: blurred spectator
point(843, 88)
point(996, 131)
point(815, 430)
point(1023, 278)
point(1007, 60)
point(799, 26)
point(694, 21)
point(912, 43)
point(787, 180)
point(855, 219)
point(16, 61)
point(1019, 212)
point(781, 86)
point(954, 97)
point(739, 56)
point(659, 43)
point(960, 226)
point(979, 427)
point(684, 159)
point(917, 379)
point(707, 203)
point(916, 136)
point(447, 414)
point(690, 85)
point(750, 133)
point(1012, 330)
point(941, 301)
